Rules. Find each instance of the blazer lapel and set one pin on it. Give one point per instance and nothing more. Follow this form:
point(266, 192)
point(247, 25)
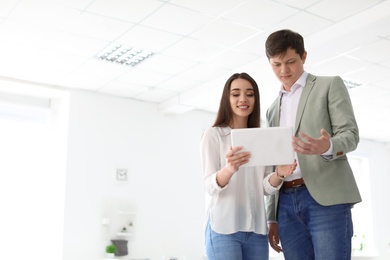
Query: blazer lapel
point(275, 116)
point(310, 81)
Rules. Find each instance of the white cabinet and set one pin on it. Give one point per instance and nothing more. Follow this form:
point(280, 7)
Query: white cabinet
point(124, 223)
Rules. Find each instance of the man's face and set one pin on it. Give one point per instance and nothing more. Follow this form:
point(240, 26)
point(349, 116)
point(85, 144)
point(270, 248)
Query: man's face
point(288, 67)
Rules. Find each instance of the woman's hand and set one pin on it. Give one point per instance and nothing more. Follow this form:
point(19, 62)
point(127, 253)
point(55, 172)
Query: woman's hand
point(285, 170)
point(281, 172)
point(234, 159)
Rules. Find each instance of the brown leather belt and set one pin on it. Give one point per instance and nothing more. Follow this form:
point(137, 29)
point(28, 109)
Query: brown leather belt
point(294, 183)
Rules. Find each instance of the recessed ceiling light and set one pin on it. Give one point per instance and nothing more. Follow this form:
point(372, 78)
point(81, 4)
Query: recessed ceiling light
point(125, 55)
point(351, 84)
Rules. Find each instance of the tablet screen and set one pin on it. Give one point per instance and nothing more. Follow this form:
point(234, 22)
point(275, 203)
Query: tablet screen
point(268, 146)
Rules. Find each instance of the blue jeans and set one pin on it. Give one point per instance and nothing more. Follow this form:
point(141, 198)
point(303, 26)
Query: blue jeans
point(236, 246)
point(308, 230)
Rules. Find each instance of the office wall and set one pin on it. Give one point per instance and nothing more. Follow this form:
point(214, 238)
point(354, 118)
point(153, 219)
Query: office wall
point(164, 188)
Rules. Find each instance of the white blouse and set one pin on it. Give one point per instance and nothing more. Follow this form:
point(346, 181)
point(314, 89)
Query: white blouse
point(239, 206)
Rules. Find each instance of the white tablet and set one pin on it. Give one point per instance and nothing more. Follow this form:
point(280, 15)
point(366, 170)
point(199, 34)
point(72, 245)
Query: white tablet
point(268, 146)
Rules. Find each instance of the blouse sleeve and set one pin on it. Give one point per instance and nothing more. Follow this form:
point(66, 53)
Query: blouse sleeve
point(268, 188)
point(210, 160)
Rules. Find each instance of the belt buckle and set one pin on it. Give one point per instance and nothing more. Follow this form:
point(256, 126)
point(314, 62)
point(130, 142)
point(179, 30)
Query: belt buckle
point(295, 185)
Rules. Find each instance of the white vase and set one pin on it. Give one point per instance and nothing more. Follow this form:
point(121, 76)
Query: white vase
point(110, 255)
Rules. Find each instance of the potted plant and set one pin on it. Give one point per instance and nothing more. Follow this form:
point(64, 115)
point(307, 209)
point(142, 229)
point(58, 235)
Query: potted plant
point(110, 251)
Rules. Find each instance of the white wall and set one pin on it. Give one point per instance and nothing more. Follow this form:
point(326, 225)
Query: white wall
point(161, 153)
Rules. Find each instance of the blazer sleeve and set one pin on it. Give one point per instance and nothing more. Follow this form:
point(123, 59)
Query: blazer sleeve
point(345, 132)
point(325, 103)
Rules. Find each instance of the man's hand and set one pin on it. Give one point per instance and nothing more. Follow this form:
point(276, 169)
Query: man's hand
point(273, 237)
point(309, 145)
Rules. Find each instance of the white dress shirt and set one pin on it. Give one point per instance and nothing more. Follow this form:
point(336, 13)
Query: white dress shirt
point(239, 206)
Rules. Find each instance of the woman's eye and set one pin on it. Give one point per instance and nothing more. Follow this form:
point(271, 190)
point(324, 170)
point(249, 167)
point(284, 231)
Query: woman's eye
point(250, 94)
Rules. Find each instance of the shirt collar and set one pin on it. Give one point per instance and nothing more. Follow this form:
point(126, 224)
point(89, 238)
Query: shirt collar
point(301, 82)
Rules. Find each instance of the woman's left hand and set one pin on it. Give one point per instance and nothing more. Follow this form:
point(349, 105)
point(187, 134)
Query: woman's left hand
point(285, 170)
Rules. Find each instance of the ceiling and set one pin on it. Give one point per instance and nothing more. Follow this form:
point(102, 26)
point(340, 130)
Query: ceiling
point(196, 46)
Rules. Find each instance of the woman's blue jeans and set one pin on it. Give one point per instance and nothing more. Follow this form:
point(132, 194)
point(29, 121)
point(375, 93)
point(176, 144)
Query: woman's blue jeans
point(236, 246)
point(308, 230)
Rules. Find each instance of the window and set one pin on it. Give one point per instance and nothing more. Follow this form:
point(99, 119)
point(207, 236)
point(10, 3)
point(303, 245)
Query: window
point(32, 171)
point(363, 239)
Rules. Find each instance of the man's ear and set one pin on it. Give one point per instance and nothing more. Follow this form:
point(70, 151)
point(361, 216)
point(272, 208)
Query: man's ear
point(304, 57)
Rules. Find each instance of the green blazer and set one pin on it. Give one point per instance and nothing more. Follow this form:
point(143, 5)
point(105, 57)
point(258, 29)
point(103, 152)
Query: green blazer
point(324, 103)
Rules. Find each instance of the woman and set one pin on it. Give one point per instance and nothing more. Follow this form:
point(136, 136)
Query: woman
point(235, 215)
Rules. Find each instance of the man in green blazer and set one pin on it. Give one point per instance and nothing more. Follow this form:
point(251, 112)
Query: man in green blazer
point(312, 212)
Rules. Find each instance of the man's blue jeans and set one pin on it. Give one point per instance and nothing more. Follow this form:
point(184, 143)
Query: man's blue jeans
point(236, 246)
point(308, 230)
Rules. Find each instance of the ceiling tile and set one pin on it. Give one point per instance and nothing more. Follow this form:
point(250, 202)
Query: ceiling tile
point(183, 22)
point(301, 4)
point(365, 21)
point(142, 77)
point(211, 7)
point(371, 74)
point(97, 27)
point(155, 95)
point(382, 53)
point(43, 13)
point(165, 64)
point(148, 39)
point(81, 81)
point(6, 7)
point(178, 84)
point(203, 72)
point(254, 44)
point(195, 50)
point(79, 4)
point(232, 59)
point(383, 85)
point(366, 92)
point(125, 10)
point(197, 45)
point(260, 14)
point(122, 88)
point(49, 39)
point(302, 22)
point(35, 62)
point(224, 33)
point(341, 65)
point(344, 8)
point(102, 69)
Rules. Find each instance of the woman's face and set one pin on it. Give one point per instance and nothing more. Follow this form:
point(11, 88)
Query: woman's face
point(242, 98)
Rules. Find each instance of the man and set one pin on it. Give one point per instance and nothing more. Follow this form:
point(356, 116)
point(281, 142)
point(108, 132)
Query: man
point(312, 212)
